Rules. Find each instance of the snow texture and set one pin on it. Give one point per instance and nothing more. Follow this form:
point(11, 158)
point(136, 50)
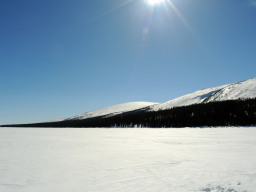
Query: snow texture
point(113, 110)
point(240, 90)
point(128, 160)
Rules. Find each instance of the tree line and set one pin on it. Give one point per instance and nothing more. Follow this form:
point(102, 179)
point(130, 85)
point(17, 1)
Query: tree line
point(220, 113)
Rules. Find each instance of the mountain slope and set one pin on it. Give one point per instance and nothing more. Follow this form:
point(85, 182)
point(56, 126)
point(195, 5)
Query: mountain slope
point(113, 110)
point(217, 106)
point(233, 91)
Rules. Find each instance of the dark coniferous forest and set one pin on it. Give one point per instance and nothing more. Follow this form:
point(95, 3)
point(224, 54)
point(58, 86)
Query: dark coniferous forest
point(221, 113)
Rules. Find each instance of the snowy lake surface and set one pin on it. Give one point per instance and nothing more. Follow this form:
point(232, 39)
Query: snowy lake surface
point(128, 160)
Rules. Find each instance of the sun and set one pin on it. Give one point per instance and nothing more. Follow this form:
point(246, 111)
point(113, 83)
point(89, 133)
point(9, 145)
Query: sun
point(154, 2)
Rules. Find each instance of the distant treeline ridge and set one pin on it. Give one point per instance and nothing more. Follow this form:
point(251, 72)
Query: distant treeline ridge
point(221, 113)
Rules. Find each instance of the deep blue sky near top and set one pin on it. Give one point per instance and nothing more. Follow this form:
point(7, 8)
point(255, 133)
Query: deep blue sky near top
point(60, 58)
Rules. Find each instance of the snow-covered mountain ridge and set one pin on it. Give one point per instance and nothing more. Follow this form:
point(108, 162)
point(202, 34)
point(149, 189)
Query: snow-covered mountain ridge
point(112, 110)
point(240, 90)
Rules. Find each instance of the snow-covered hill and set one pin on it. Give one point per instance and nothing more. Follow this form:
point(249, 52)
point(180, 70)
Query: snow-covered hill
point(233, 91)
point(240, 90)
point(113, 110)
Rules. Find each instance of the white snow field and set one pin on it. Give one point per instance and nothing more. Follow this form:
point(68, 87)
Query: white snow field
point(128, 160)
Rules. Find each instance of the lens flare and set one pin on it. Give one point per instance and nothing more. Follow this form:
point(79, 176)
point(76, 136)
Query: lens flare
point(154, 2)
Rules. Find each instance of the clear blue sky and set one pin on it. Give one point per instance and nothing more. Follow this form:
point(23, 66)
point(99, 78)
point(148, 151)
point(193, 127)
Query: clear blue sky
point(60, 58)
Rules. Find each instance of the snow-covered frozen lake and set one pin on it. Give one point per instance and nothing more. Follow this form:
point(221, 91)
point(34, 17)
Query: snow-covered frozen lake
point(108, 160)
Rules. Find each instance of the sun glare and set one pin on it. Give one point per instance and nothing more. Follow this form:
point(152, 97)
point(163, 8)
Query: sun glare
point(154, 2)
